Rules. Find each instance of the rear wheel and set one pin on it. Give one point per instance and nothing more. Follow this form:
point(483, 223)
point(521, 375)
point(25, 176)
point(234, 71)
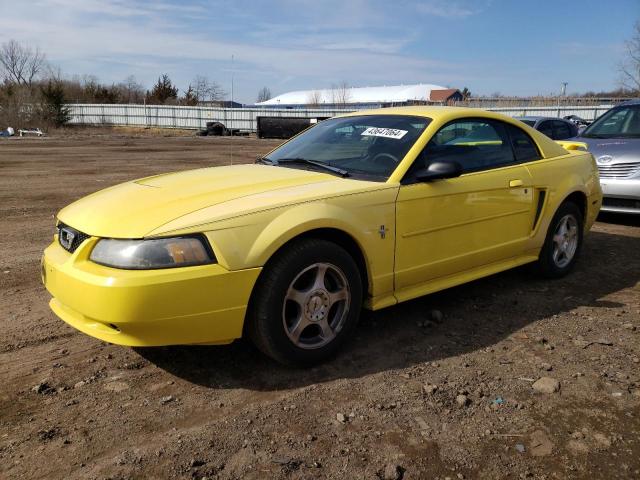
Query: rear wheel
point(306, 304)
point(563, 242)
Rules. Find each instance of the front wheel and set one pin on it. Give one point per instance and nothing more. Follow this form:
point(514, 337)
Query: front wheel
point(563, 242)
point(306, 304)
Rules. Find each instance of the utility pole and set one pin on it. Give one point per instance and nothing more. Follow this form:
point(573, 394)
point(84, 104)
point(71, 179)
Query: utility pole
point(232, 80)
point(563, 92)
point(231, 106)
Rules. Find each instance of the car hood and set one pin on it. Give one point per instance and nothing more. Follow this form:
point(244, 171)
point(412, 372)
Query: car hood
point(167, 202)
point(620, 149)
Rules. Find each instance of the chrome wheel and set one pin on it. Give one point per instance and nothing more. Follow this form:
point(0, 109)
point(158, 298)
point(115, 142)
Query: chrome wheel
point(316, 305)
point(565, 241)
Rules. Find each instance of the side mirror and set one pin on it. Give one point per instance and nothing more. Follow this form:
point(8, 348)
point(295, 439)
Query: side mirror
point(439, 170)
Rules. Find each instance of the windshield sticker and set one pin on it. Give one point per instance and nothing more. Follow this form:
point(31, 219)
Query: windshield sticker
point(385, 132)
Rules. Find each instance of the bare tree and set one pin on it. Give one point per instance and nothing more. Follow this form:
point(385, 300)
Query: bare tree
point(341, 93)
point(20, 63)
point(200, 87)
point(629, 67)
point(53, 72)
point(264, 94)
point(131, 90)
point(206, 90)
point(13, 99)
point(314, 98)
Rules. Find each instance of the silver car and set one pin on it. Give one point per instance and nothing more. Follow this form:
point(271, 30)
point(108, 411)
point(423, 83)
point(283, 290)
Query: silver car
point(614, 140)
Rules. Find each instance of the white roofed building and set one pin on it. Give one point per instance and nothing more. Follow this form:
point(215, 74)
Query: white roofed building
point(366, 96)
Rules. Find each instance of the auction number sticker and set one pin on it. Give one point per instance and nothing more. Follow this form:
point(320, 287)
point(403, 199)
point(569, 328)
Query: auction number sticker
point(385, 132)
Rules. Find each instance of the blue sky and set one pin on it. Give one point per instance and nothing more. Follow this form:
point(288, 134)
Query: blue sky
point(509, 46)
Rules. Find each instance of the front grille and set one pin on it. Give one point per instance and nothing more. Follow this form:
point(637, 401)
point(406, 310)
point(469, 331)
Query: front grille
point(618, 170)
point(65, 232)
point(621, 203)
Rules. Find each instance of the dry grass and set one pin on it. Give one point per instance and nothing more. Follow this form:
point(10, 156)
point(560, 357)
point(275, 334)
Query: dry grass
point(109, 131)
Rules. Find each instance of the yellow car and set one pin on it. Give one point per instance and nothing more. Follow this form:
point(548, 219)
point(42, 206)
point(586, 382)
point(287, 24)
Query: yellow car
point(367, 209)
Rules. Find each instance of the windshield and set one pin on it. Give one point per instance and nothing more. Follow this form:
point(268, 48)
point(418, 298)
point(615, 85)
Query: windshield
point(368, 145)
point(620, 122)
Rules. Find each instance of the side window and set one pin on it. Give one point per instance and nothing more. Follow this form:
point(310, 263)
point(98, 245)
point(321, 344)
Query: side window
point(523, 147)
point(561, 130)
point(475, 144)
point(546, 127)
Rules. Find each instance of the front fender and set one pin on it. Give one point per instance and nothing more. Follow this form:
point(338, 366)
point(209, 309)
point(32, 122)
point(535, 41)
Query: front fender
point(251, 241)
point(304, 218)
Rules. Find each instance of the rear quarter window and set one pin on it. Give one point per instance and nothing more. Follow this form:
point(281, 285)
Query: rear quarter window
point(524, 148)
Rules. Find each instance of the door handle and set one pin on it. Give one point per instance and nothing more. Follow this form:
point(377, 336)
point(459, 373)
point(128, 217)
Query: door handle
point(515, 183)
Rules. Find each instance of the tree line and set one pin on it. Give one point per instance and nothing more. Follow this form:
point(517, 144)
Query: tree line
point(35, 93)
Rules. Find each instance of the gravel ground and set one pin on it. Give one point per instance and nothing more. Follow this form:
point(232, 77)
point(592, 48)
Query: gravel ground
point(505, 377)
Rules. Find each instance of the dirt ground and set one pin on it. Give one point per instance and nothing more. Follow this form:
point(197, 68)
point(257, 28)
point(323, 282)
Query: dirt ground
point(440, 387)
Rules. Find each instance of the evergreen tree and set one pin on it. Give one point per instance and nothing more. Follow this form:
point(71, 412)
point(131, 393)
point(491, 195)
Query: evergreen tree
point(190, 97)
point(162, 91)
point(54, 107)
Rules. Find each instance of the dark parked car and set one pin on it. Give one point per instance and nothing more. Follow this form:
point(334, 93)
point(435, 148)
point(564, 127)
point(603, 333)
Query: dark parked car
point(554, 128)
point(614, 141)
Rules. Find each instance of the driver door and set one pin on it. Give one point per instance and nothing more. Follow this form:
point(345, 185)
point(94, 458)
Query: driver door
point(451, 226)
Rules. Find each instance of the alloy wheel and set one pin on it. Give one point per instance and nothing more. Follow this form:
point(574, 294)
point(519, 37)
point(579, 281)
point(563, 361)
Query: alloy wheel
point(316, 305)
point(565, 241)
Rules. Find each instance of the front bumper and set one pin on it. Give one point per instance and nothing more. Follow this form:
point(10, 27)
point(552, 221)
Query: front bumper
point(192, 305)
point(621, 196)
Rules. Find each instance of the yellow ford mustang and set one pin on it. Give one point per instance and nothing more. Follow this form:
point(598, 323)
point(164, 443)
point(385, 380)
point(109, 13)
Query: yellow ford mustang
point(367, 209)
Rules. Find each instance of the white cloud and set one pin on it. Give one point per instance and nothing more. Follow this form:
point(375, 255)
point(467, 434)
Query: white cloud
point(120, 8)
point(114, 38)
point(452, 8)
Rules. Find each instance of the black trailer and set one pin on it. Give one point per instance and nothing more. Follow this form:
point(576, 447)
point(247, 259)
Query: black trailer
point(284, 127)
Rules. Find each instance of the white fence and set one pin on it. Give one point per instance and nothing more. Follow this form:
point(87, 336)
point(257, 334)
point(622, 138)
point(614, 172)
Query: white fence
point(164, 116)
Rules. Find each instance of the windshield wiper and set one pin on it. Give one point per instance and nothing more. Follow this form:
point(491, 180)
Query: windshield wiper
point(305, 161)
point(266, 161)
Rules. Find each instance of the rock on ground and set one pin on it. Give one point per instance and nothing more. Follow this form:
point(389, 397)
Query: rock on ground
point(546, 385)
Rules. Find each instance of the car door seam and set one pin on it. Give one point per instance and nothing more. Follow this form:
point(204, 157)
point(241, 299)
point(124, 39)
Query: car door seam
point(468, 222)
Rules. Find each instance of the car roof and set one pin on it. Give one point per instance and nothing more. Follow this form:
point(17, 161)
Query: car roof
point(635, 101)
point(436, 111)
point(431, 111)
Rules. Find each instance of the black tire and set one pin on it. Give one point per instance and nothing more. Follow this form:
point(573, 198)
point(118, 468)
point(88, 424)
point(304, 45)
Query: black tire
point(270, 305)
point(547, 265)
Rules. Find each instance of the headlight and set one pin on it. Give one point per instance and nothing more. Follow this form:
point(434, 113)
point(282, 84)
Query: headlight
point(152, 253)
